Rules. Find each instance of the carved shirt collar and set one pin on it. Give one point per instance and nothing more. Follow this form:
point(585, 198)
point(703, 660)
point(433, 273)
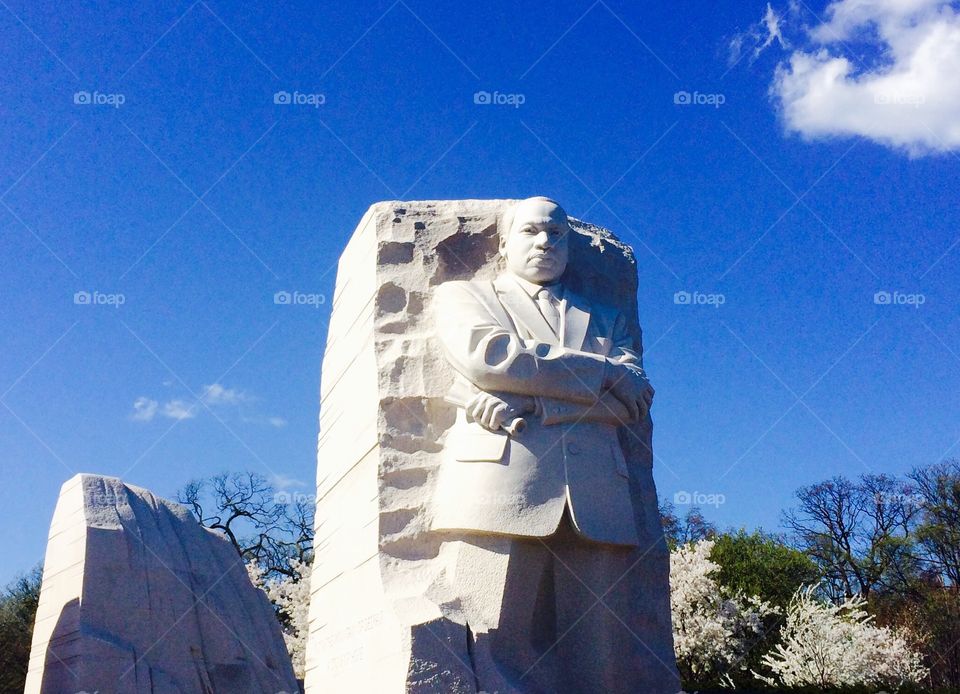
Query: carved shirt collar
point(532, 289)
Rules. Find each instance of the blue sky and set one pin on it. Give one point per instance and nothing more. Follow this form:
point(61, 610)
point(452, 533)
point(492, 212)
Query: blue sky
point(178, 187)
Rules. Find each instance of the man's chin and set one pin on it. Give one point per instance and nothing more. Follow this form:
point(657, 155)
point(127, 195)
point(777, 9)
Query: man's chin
point(543, 277)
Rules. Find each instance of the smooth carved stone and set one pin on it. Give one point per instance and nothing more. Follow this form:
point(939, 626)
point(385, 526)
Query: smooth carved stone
point(400, 573)
point(137, 597)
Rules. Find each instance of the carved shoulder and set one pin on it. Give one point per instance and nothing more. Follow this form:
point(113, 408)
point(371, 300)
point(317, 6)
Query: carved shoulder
point(461, 293)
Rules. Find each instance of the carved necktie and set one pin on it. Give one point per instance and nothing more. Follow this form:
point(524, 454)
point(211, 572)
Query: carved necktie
point(548, 307)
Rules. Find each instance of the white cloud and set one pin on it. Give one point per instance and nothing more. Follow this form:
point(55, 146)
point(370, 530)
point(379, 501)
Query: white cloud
point(281, 481)
point(144, 409)
point(909, 98)
point(216, 394)
point(278, 422)
point(178, 409)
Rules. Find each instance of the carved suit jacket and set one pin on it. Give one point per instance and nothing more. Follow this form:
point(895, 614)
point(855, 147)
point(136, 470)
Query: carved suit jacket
point(569, 455)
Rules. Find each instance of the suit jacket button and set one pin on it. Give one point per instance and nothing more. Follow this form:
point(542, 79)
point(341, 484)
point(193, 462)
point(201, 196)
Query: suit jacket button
point(559, 409)
point(572, 448)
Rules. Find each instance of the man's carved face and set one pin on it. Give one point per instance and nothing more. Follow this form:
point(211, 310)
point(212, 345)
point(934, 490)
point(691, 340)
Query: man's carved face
point(535, 247)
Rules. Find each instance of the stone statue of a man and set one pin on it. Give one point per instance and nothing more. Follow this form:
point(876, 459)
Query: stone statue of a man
point(552, 560)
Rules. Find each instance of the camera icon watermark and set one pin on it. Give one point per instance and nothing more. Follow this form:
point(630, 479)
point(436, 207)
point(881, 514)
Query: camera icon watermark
point(85, 98)
point(906, 498)
point(95, 298)
point(285, 98)
point(685, 98)
point(287, 498)
point(484, 98)
point(295, 298)
point(890, 99)
point(897, 298)
point(684, 498)
point(685, 298)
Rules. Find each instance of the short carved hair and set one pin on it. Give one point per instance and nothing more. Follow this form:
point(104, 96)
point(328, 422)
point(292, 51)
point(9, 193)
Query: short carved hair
point(506, 217)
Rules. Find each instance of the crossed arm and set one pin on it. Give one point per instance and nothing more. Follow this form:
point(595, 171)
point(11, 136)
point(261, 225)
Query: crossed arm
point(516, 376)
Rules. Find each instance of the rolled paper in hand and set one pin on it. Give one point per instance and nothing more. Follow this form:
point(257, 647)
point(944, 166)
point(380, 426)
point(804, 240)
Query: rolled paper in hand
point(461, 393)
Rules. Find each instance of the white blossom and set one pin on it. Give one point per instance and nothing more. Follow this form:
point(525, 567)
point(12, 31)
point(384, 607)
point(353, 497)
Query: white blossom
point(291, 596)
point(712, 628)
point(824, 644)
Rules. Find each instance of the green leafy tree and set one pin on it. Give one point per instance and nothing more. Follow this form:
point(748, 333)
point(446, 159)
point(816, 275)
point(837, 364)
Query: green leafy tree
point(18, 607)
point(761, 564)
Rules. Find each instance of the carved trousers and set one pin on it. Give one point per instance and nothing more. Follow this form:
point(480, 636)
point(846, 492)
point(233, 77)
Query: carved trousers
point(564, 614)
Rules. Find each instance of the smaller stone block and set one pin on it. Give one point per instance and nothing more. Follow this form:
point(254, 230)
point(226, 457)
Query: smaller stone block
point(139, 598)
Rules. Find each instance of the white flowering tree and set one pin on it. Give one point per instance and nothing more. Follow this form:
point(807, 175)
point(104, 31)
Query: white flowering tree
point(832, 645)
point(290, 596)
point(712, 628)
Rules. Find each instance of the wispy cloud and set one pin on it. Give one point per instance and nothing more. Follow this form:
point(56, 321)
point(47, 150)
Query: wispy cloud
point(216, 394)
point(178, 409)
point(145, 409)
point(280, 481)
point(758, 37)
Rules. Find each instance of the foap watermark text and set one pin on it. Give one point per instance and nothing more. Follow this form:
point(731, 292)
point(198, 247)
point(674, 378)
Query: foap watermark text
point(897, 298)
point(684, 498)
point(685, 98)
point(295, 298)
point(95, 98)
point(295, 98)
point(95, 298)
point(685, 298)
point(483, 98)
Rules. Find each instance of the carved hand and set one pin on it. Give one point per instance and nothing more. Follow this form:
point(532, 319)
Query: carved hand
point(495, 412)
point(628, 384)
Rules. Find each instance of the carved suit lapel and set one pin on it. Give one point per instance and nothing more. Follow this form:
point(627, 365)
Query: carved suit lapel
point(576, 320)
point(523, 310)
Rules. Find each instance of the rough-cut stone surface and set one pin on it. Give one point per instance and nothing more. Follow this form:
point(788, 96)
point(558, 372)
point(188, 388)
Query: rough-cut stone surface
point(384, 614)
point(138, 597)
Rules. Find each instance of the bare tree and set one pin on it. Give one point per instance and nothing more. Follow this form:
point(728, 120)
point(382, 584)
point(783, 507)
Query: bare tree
point(939, 530)
point(691, 528)
point(858, 533)
point(263, 526)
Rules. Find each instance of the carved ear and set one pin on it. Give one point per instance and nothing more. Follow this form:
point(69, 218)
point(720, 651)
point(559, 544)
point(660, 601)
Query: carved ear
point(504, 222)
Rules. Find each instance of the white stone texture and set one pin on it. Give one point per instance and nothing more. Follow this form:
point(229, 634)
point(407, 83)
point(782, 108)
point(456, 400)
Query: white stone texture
point(385, 615)
point(137, 597)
